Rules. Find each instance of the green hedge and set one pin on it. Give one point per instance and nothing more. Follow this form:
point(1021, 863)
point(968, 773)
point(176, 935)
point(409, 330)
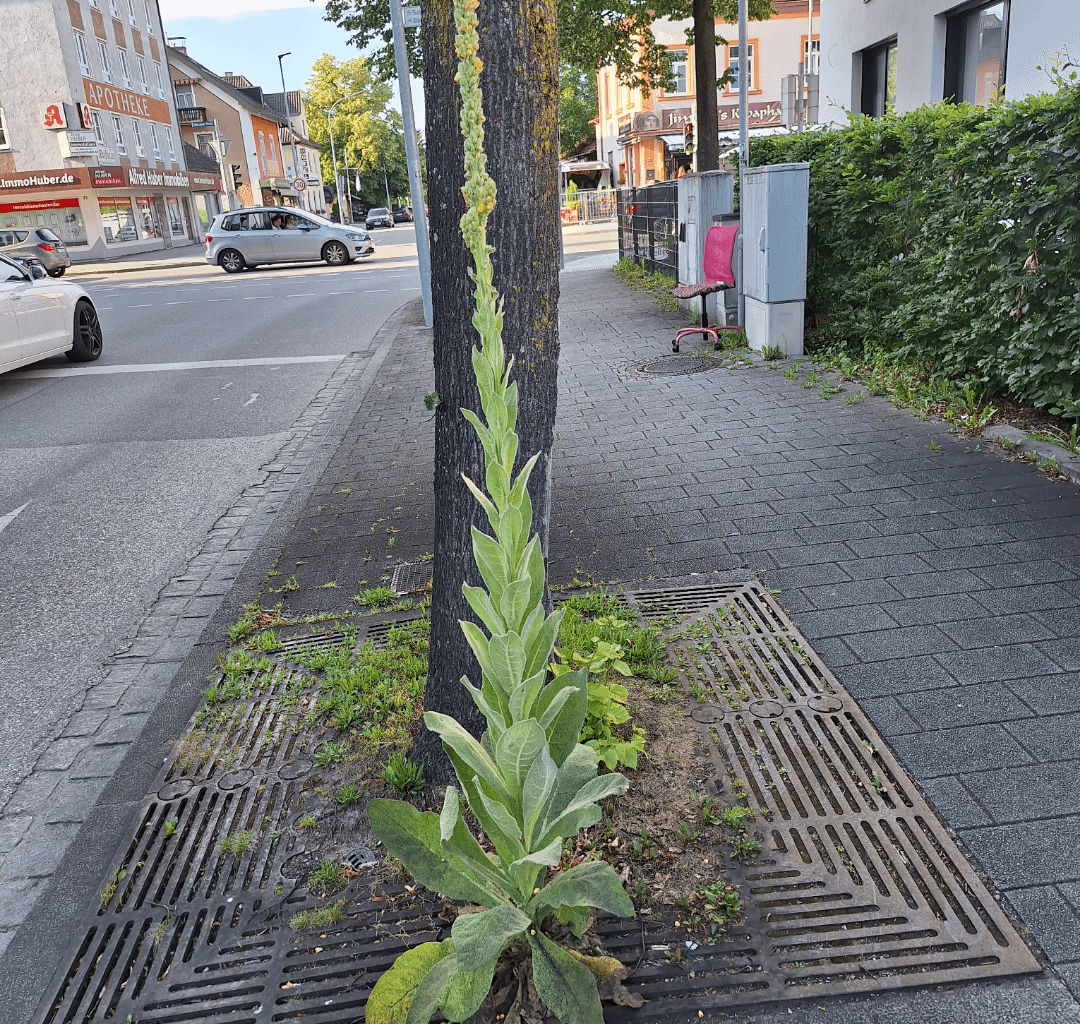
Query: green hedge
point(951, 234)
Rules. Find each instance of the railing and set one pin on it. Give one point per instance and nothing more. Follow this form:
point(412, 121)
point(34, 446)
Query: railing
point(592, 207)
point(648, 226)
point(190, 115)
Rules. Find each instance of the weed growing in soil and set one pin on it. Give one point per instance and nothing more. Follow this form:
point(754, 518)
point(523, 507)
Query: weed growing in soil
point(327, 880)
point(657, 285)
point(376, 597)
point(331, 754)
point(348, 795)
point(320, 917)
point(236, 844)
point(404, 777)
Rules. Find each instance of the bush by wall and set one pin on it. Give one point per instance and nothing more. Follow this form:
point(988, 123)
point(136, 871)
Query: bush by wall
point(952, 234)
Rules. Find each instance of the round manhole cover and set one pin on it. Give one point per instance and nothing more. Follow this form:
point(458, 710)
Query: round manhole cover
point(673, 366)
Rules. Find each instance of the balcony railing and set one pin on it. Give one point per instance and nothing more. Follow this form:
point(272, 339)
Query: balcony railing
point(191, 115)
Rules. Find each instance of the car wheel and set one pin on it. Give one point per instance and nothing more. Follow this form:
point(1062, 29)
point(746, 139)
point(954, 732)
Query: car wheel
point(57, 272)
point(86, 337)
point(335, 254)
point(231, 261)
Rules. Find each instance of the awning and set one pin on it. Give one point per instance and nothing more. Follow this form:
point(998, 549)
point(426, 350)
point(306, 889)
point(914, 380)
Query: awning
point(580, 166)
point(672, 141)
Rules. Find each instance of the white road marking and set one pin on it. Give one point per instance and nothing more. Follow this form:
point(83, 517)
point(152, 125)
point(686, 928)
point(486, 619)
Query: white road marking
point(299, 295)
point(251, 400)
point(209, 364)
point(6, 521)
point(180, 302)
point(225, 298)
point(372, 291)
point(227, 386)
point(139, 305)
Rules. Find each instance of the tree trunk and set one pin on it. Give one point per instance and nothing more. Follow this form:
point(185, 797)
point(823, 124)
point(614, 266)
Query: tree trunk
point(708, 141)
point(519, 48)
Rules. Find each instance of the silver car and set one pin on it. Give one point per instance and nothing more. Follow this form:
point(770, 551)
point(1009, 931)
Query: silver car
point(39, 244)
point(277, 234)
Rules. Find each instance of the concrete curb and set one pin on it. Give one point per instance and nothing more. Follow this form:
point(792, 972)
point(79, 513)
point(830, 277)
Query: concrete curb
point(1015, 439)
point(131, 268)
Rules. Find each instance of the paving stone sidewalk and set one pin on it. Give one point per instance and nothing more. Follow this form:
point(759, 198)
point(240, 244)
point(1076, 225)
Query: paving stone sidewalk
point(942, 588)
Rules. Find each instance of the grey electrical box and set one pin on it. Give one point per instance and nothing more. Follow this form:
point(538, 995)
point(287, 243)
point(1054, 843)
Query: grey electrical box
point(775, 203)
point(701, 197)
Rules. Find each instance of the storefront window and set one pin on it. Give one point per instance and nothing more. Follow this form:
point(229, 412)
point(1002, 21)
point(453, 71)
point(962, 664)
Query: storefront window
point(176, 217)
point(64, 220)
point(118, 220)
point(147, 218)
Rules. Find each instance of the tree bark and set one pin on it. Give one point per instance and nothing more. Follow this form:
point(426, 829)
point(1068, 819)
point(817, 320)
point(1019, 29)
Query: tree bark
point(708, 140)
point(519, 48)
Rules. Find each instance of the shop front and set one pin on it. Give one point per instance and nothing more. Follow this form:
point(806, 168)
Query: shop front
point(102, 211)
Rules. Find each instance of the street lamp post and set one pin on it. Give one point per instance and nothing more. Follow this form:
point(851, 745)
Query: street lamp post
point(288, 116)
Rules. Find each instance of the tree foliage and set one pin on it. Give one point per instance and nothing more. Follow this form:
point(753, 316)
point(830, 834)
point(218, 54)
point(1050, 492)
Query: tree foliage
point(592, 34)
point(951, 234)
point(578, 105)
point(368, 135)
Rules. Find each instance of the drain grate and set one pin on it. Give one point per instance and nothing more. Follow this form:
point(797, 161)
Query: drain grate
point(857, 886)
point(305, 641)
point(672, 366)
point(411, 578)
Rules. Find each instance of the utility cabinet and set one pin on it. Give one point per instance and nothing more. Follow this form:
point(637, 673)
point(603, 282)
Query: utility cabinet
point(774, 204)
point(701, 197)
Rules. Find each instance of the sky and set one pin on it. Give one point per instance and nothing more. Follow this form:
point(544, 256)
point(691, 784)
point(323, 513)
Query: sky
point(244, 37)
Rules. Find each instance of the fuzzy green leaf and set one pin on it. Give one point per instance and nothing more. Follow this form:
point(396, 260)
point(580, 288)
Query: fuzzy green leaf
point(493, 564)
point(426, 999)
point(540, 642)
point(414, 838)
point(507, 660)
point(463, 750)
point(515, 752)
point(566, 985)
point(591, 884)
point(564, 731)
point(465, 991)
point(460, 842)
point(395, 992)
point(514, 607)
point(523, 699)
point(497, 822)
point(480, 938)
point(486, 612)
point(536, 792)
point(583, 810)
point(483, 499)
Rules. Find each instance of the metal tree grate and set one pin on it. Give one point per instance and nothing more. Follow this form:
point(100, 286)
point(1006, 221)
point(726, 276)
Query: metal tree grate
point(857, 886)
point(411, 578)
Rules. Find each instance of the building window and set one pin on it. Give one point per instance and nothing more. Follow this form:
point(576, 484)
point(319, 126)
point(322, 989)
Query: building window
point(155, 142)
point(169, 142)
point(262, 154)
point(136, 133)
point(125, 68)
point(143, 80)
point(114, 9)
point(149, 18)
point(185, 96)
point(678, 74)
point(118, 131)
point(103, 53)
point(203, 142)
point(148, 217)
point(131, 13)
point(273, 151)
point(975, 54)
point(4, 143)
point(95, 124)
point(84, 57)
point(879, 79)
point(160, 81)
point(735, 65)
point(811, 56)
point(118, 220)
point(96, 4)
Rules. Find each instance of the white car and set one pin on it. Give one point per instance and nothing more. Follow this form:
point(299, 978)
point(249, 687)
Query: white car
point(41, 317)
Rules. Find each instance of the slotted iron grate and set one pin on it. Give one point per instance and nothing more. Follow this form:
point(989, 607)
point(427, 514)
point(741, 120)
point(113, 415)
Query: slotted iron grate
point(857, 886)
point(411, 578)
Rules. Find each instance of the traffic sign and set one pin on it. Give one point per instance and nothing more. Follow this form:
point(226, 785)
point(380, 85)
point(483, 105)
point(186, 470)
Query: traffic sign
point(412, 16)
point(299, 184)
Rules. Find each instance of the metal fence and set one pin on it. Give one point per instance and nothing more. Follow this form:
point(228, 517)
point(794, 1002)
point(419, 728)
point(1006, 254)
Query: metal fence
point(648, 226)
point(592, 207)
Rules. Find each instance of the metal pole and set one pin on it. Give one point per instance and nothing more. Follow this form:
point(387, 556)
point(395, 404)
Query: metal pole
point(348, 184)
point(288, 116)
point(386, 185)
point(412, 158)
point(744, 153)
point(809, 58)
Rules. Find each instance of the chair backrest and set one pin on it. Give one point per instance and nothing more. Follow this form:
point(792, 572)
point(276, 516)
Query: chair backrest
point(719, 247)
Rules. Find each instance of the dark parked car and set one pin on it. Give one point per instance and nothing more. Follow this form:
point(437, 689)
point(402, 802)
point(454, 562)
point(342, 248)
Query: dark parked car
point(39, 244)
point(403, 214)
point(379, 216)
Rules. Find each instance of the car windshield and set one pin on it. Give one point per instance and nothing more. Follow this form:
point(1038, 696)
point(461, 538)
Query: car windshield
point(379, 211)
point(46, 234)
point(11, 270)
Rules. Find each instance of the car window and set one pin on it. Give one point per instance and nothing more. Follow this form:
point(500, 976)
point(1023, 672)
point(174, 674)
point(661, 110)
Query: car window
point(47, 235)
point(10, 271)
point(257, 221)
point(12, 237)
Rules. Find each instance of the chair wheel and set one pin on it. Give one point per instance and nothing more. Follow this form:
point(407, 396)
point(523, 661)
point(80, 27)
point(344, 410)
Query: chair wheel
point(716, 346)
point(674, 347)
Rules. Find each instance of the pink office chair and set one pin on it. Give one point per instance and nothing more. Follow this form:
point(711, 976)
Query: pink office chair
point(719, 247)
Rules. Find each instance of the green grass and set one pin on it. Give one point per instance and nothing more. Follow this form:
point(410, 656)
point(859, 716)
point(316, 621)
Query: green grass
point(656, 284)
point(376, 597)
point(236, 844)
point(319, 917)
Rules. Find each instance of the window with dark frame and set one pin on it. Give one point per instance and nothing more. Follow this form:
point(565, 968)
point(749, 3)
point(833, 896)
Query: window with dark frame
point(975, 47)
point(879, 79)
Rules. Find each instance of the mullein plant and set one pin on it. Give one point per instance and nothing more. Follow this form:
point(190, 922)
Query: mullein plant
point(529, 783)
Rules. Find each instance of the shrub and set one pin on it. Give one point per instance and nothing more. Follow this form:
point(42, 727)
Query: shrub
point(951, 234)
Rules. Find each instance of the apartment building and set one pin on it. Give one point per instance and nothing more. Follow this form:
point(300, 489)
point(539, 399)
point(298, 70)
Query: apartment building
point(291, 106)
point(90, 143)
point(641, 137)
point(882, 56)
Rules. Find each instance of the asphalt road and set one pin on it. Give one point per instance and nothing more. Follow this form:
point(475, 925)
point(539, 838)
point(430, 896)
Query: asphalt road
point(117, 469)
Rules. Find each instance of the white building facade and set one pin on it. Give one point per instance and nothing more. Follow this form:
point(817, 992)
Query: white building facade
point(881, 56)
point(89, 139)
